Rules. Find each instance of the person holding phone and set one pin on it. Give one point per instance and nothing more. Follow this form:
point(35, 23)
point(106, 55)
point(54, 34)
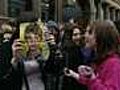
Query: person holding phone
point(104, 72)
point(32, 63)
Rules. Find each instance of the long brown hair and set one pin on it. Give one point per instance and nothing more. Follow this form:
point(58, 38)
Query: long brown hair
point(107, 38)
point(69, 28)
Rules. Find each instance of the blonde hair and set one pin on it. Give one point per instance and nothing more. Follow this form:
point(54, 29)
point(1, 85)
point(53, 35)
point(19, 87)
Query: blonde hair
point(36, 29)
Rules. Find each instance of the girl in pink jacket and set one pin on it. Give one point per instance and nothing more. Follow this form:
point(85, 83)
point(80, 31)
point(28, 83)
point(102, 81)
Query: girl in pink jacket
point(104, 72)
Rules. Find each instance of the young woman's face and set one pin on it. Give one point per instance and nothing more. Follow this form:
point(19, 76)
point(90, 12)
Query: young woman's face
point(76, 36)
point(90, 41)
point(33, 41)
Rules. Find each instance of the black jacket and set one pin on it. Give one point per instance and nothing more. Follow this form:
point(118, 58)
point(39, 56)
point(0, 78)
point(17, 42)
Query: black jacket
point(10, 78)
point(56, 62)
point(74, 58)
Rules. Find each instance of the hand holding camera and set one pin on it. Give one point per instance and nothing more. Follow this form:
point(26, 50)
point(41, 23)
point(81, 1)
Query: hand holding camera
point(86, 72)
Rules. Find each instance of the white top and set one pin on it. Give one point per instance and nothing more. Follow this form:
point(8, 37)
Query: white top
point(33, 75)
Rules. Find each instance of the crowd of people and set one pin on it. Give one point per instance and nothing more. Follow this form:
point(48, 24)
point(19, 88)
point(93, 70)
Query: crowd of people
point(60, 57)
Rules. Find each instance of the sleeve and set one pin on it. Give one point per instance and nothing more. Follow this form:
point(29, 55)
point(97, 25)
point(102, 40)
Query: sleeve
point(110, 82)
point(110, 79)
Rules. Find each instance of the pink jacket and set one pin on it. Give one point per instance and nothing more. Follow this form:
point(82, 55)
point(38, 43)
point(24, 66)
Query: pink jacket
point(108, 75)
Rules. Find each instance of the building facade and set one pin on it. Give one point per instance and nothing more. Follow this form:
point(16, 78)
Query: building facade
point(99, 9)
point(3, 7)
point(59, 10)
point(111, 9)
point(105, 10)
